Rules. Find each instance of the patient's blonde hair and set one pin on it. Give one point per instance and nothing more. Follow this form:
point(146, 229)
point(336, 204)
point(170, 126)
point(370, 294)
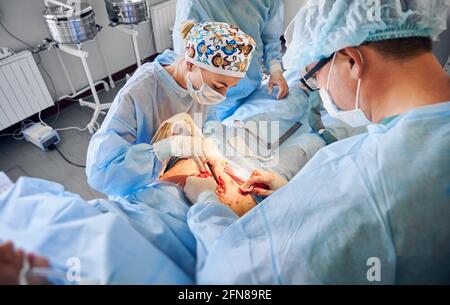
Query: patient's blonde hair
point(186, 27)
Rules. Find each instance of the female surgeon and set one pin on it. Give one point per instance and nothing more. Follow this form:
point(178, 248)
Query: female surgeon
point(263, 20)
point(120, 158)
point(370, 209)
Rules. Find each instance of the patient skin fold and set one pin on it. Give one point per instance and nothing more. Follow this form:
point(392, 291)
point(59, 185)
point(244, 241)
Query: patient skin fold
point(228, 189)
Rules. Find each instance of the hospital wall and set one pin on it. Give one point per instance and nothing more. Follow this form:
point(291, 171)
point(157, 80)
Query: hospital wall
point(24, 19)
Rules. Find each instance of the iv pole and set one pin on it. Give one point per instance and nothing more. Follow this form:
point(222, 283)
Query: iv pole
point(97, 106)
point(134, 34)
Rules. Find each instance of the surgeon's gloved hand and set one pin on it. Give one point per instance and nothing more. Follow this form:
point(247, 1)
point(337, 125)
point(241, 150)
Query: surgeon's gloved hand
point(277, 79)
point(179, 146)
point(262, 183)
point(195, 186)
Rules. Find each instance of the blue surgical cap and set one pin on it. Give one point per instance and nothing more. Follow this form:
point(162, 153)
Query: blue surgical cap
point(323, 27)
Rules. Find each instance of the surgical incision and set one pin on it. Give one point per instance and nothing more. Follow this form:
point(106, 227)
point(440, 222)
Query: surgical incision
point(227, 189)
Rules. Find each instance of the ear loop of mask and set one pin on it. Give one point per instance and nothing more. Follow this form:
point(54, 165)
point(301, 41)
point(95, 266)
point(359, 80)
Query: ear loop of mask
point(331, 71)
point(189, 77)
point(201, 77)
point(358, 88)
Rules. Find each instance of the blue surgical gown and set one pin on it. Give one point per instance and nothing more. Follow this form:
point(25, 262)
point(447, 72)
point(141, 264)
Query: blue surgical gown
point(373, 204)
point(143, 239)
point(261, 19)
point(120, 158)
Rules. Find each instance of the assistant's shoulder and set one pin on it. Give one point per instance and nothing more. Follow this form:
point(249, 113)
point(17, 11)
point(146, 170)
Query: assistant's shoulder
point(141, 86)
point(349, 148)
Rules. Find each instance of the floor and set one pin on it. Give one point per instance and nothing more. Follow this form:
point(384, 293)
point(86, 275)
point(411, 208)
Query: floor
point(20, 158)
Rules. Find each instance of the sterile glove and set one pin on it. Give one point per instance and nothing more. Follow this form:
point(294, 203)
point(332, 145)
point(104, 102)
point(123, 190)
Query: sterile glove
point(195, 186)
point(277, 79)
point(262, 183)
point(179, 146)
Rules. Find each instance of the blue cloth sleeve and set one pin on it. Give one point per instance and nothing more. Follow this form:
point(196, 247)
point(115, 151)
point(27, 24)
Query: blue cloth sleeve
point(272, 33)
point(116, 164)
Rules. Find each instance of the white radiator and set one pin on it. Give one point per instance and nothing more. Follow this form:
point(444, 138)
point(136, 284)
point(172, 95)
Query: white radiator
point(22, 89)
point(163, 19)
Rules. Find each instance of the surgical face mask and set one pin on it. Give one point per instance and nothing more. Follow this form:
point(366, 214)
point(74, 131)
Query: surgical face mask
point(205, 95)
point(354, 118)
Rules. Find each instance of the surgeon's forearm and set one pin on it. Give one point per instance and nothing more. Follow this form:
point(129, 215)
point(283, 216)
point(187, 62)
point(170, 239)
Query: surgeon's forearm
point(125, 173)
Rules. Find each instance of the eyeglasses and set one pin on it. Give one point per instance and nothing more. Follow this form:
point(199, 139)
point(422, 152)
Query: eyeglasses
point(308, 79)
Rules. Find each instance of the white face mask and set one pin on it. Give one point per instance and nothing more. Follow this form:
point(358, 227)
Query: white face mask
point(205, 95)
point(354, 118)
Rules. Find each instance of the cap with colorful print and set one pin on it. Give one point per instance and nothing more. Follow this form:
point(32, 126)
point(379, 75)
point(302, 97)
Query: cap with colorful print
point(220, 48)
